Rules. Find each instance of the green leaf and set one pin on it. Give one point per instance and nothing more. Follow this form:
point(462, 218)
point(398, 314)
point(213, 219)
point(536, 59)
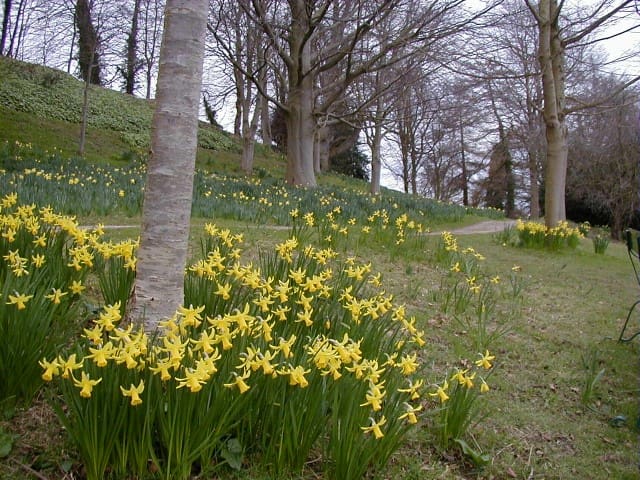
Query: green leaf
point(479, 459)
point(232, 452)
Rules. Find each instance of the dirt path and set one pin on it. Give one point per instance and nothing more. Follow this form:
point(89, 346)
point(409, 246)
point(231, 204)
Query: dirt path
point(489, 226)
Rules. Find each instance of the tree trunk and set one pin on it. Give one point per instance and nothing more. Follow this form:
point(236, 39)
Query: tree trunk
point(263, 102)
point(5, 24)
point(463, 165)
point(132, 46)
point(534, 188)
point(249, 129)
point(88, 44)
point(324, 139)
point(300, 134)
point(168, 193)
point(85, 115)
point(18, 28)
point(553, 84)
point(376, 163)
point(265, 121)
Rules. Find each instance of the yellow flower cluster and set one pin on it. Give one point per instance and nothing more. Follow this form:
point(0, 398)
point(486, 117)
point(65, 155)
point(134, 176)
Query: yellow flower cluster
point(190, 346)
point(538, 234)
point(465, 379)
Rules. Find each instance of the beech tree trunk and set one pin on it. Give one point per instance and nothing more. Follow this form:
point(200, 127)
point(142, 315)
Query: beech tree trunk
point(168, 193)
point(300, 137)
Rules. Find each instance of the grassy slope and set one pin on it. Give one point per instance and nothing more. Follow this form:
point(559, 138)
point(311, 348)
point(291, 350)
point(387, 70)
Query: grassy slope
point(43, 106)
point(574, 305)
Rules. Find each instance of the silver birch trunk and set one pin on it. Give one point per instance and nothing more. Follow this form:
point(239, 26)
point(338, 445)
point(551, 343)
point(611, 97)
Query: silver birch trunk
point(162, 255)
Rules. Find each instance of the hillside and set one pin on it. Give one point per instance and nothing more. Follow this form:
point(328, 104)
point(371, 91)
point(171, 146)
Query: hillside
point(43, 106)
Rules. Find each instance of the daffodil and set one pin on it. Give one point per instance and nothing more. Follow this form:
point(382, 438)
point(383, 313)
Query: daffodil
point(410, 413)
point(297, 376)
point(484, 387)
point(56, 295)
point(485, 360)
point(413, 390)
point(51, 369)
point(38, 260)
point(375, 395)
point(102, 354)
point(162, 368)
point(85, 384)
point(69, 365)
point(441, 392)
point(20, 300)
point(191, 316)
point(374, 427)
point(76, 287)
point(133, 392)
point(239, 381)
point(408, 364)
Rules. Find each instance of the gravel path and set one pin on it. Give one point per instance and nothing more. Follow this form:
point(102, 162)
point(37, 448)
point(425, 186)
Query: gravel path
point(489, 226)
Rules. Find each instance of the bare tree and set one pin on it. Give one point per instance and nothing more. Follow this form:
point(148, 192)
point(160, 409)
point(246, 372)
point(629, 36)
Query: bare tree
point(168, 194)
point(553, 41)
point(604, 159)
point(241, 44)
point(311, 38)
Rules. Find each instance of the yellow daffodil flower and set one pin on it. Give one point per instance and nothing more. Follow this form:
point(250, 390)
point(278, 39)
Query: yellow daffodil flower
point(408, 364)
point(134, 393)
point(410, 413)
point(239, 381)
point(375, 395)
point(69, 365)
point(162, 368)
point(76, 287)
point(20, 300)
point(375, 427)
point(38, 260)
point(224, 291)
point(413, 390)
point(85, 384)
point(56, 295)
point(51, 369)
point(191, 316)
point(441, 392)
point(297, 376)
point(485, 360)
point(102, 355)
point(484, 387)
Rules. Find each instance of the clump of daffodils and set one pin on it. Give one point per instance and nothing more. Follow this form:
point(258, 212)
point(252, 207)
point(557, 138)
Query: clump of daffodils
point(459, 399)
point(299, 332)
point(538, 235)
